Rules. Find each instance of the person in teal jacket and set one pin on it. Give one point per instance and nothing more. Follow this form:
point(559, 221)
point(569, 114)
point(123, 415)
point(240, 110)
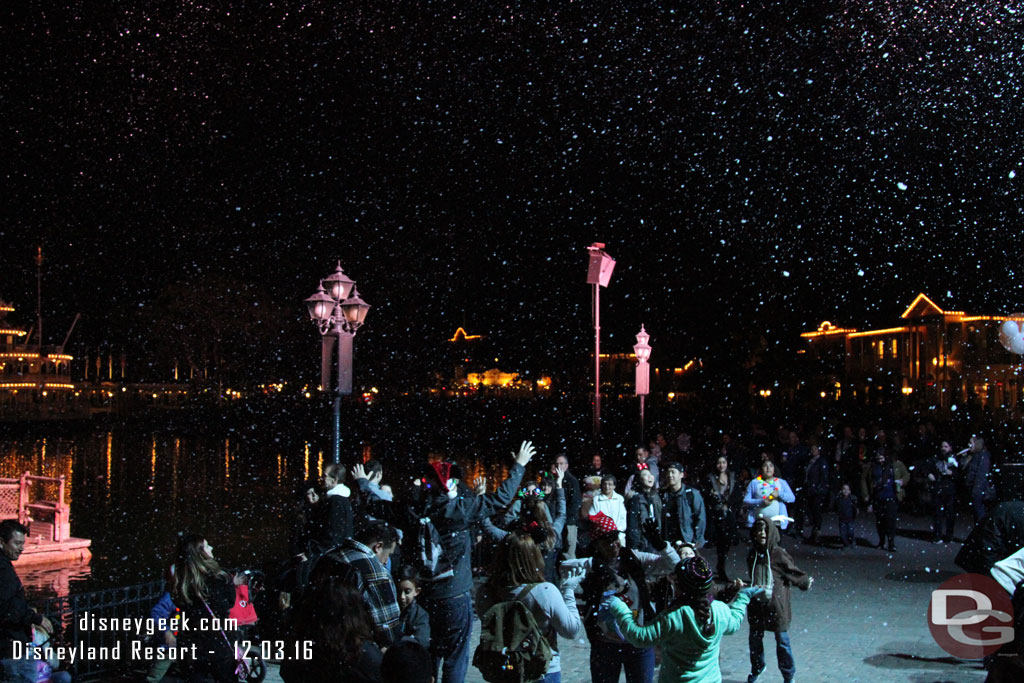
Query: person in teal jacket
point(690, 631)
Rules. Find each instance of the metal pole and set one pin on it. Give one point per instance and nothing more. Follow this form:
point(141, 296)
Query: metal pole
point(642, 443)
point(336, 439)
point(597, 364)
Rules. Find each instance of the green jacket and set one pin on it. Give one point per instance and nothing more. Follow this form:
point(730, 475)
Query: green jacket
point(688, 656)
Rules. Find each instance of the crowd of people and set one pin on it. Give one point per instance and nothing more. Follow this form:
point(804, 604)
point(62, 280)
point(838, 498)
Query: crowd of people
point(384, 585)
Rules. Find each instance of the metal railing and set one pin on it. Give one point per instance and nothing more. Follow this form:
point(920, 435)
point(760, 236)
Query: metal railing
point(127, 602)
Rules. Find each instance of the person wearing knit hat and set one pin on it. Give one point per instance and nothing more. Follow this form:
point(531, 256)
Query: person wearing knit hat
point(623, 572)
point(691, 630)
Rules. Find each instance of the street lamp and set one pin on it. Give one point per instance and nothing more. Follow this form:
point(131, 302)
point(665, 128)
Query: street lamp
point(599, 271)
point(338, 312)
point(642, 350)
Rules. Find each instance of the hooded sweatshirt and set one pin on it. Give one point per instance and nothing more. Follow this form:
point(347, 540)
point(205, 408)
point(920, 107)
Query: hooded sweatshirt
point(774, 570)
point(687, 654)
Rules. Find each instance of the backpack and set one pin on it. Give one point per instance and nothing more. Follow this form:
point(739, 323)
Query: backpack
point(431, 560)
point(512, 648)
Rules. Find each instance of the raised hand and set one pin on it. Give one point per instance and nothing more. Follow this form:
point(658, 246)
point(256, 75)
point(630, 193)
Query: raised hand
point(526, 453)
point(358, 472)
point(480, 486)
point(573, 577)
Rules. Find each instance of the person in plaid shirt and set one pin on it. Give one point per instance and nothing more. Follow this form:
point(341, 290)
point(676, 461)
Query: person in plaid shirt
point(368, 552)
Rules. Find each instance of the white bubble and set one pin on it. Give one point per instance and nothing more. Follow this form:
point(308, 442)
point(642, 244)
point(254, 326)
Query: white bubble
point(901, 185)
point(1013, 174)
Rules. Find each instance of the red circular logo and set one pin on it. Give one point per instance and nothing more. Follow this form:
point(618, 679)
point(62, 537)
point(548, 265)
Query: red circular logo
point(970, 616)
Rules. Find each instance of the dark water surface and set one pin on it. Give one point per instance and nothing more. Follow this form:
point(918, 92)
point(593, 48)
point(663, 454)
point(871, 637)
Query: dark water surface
point(132, 493)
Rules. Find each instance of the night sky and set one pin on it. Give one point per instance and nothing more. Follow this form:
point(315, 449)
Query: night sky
point(754, 167)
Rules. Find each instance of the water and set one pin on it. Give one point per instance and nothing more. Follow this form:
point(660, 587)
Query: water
point(133, 493)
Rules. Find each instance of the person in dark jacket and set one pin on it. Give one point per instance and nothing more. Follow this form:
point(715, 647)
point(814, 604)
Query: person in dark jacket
point(979, 486)
point(336, 525)
point(644, 505)
point(448, 600)
point(682, 508)
point(573, 503)
point(882, 486)
point(997, 536)
point(846, 512)
point(770, 567)
point(724, 499)
point(816, 490)
point(941, 469)
point(307, 520)
point(16, 617)
point(414, 623)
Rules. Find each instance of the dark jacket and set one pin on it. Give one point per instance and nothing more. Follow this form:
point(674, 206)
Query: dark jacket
point(997, 536)
point(723, 509)
point(882, 482)
point(846, 507)
point(817, 476)
point(691, 521)
point(773, 613)
point(453, 518)
point(16, 617)
point(415, 625)
point(336, 523)
point(978, 468)
point(306, 526)
point(573, 499)
point(638, 511)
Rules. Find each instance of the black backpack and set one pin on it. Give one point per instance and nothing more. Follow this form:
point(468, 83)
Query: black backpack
point(512, 647)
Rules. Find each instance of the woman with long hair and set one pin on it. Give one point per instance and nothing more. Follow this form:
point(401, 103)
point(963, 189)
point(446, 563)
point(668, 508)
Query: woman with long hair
point(691, 629)
point(724, 499)
point(201, 590)
point(518, 570)
point(334, 619)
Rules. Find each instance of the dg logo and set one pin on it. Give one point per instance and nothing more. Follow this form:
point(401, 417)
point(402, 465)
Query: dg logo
point(970, 616)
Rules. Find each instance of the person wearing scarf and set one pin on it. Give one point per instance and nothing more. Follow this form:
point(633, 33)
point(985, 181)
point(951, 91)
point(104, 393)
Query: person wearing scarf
point(770, 567)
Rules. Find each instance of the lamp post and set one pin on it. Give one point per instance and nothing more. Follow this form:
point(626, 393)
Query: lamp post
point(599, 272)
point(642, 350)
point(338, 313)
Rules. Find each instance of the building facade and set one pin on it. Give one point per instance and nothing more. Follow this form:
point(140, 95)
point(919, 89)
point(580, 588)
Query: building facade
point(930, 357)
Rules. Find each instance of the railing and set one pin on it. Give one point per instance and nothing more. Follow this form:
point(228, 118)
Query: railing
point(93, 645)
point(48, 518)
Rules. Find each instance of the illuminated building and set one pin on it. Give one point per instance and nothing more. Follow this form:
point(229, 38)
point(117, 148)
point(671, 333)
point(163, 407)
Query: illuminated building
point(929, 357)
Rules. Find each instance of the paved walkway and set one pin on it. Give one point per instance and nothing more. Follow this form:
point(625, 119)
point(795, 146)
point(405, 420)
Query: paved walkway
point(864, 620)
